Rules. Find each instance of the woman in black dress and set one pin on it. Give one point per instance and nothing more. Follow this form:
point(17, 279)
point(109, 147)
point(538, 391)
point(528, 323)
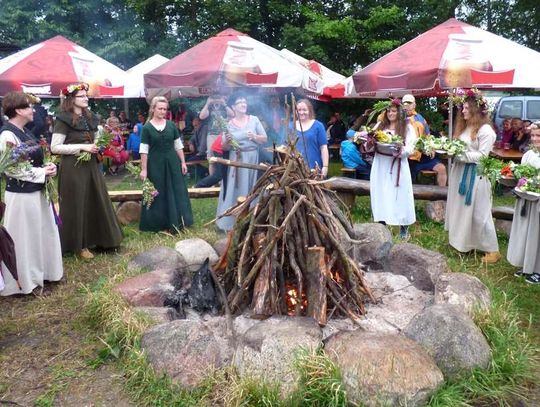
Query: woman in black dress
point(88, 218)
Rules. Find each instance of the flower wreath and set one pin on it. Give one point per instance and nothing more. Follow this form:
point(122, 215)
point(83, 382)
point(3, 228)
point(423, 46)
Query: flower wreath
point(75, 87)
point(460, 96)
point(383, 105)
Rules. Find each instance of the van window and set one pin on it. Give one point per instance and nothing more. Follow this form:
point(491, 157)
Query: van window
point(533, 109)
point(511, 108)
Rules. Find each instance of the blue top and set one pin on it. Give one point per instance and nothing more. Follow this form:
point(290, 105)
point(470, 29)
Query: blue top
point(134, 141)
point(314, 138)
point(350, 155)
point(419, 118)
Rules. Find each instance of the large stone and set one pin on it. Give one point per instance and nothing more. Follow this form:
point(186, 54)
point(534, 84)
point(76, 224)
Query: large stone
point(128, 212)
point(220, 246)
point(267, 349)
point(398, 301)
point(157, 258)
point(148, 289)
point(195, 252)
point(377, 244)
point(421, 267)
point(451, 338)
point(436, 210)
point(383, 370)
point(188, 350)
point(462, 289)
point(159, 315)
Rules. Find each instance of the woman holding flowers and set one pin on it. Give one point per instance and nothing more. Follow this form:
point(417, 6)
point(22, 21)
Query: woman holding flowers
point(524, 244)
point(29, 217)
point(243, 136)
point(163, 163)
point(468, 207)
point(392, 200)
point(88, 218)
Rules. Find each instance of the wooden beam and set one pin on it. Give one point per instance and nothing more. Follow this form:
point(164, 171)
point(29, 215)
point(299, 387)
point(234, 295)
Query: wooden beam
point(136, 195)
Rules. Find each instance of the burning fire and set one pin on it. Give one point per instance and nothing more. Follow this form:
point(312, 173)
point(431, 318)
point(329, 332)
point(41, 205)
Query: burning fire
point(293, 301)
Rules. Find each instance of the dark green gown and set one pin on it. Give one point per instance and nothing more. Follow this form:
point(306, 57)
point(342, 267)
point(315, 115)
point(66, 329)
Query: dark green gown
point(88, 217)
point(171, 209)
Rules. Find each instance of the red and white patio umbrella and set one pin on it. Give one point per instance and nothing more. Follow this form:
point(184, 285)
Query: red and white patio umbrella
point(226, 61)
point(45, 68)
point(135, 75)
point(451, 55)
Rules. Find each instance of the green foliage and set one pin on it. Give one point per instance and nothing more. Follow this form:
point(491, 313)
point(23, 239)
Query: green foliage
point(320, 382)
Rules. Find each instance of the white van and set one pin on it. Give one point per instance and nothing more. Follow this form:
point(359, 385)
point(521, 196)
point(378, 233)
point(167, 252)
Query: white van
point(522, 107)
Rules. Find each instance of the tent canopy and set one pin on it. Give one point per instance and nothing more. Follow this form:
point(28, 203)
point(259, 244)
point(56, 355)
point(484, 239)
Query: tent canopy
point(45, 68)
point(228, 60)
point(135, 75)
point(451, 55)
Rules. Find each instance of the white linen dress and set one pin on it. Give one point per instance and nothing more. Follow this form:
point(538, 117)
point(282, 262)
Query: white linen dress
point(30, 222)
point(390, 203)
point(524, 244)
point(471, 227)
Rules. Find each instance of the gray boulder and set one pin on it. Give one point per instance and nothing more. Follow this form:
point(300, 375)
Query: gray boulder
point(159, 315)
point(381, 369)
point(188, 350)
point(462, 289)
point(128, 212)
point(267, 349)
point(157, 258)
point(195, 251)
point(421, 267)
point(436, 210)
point(398, 301)
point(451, 338)
point(377, 244)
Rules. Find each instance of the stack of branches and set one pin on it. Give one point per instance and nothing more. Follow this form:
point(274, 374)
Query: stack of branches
point(287, 252)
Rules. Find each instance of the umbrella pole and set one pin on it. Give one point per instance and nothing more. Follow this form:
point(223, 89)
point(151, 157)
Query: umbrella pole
point(450, 126)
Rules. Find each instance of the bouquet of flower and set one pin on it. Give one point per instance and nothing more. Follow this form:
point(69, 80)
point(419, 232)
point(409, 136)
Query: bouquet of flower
point(455, 147)
point(387, 137)
point(149, 191)
point(51, 191)
point(491, 168)
point(14, 159)
point(531, 184)
point(523, 170)
point(224, 128)
point(103, 139)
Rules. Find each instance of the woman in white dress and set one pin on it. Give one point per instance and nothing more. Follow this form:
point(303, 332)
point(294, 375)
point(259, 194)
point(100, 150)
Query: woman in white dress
point(524, 244)
point(29, 218)
point(392, 200)
point(468, 207)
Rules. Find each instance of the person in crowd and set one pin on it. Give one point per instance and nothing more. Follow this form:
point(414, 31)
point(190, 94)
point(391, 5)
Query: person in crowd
point(524, 244)
point(350, 155)
point(49, 127)
point(392, 200)
point(220, 173)
point(38, 125)
point(506, 134)
point(418, 161)
point(197, 146)
point(115, 150)
point(29, 218)
point(312, 143)
point(140, 118)
point(468, 208)
point(88, 217)
point(275, 118)
point(163, 163)
point(214, 112)
point(183, 118)
point(336, 130)
point(248, 135)
point(266, 153)
point(134, 142)
point(523, 137)
point(124, 123)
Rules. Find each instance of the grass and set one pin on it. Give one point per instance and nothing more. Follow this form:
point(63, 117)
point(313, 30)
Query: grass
point(84, 327)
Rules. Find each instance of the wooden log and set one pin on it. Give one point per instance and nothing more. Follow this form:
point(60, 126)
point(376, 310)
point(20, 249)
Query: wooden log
point(136, 195)
point(238, 164)
point(316, 284)
point(264, 289)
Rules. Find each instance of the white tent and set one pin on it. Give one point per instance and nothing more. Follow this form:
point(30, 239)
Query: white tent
point(135, 75)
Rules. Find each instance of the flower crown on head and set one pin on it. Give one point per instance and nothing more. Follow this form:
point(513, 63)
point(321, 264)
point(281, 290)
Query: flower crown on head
point(382, 105)
point(74, 87)
point(460, 96)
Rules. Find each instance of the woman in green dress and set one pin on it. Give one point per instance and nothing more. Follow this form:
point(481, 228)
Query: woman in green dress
point(162, 161)
point(88, 218)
